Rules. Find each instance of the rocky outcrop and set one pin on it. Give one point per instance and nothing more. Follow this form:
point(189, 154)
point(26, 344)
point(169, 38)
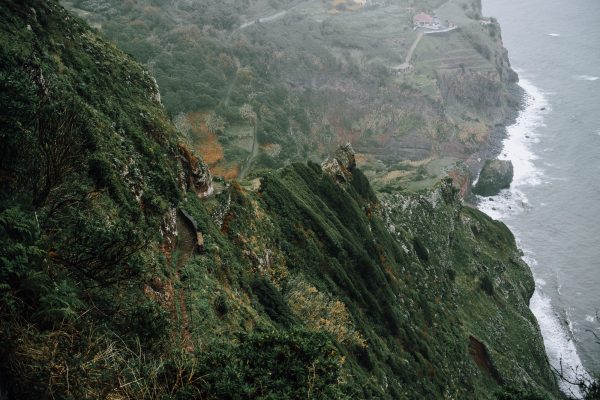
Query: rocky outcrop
point(495, 176)
point(155, 94)
point(332, 167)
point(342, 163)
point(197, 176)
point(477, 91)
point(345, 156)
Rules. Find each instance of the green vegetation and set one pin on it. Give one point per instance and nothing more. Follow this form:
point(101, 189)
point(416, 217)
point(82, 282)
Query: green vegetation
point(302, 287)
point(314, 78)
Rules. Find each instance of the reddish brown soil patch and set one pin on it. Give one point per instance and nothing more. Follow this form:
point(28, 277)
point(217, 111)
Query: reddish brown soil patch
point(208, 143)
point(480, 355)
point(231, 172)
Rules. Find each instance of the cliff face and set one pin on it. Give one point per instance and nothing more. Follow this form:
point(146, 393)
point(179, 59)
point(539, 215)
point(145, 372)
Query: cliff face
point(123, 275)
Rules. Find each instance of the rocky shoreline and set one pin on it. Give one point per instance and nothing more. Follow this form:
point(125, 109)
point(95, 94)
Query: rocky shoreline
point(498, 134)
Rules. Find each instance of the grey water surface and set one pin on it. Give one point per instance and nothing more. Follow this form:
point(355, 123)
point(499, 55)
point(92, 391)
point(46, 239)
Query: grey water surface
point(554, 205)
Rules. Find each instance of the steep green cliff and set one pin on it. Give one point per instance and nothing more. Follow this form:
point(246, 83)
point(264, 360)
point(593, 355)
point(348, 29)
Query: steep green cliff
point(123, 276)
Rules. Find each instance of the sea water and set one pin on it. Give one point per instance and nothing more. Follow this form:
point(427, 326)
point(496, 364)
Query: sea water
point(553, 205)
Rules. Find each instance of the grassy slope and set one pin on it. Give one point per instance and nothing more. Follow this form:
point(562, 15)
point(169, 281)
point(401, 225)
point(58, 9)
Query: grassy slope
point(301, 289)
point(89, 170)
point(415, 295)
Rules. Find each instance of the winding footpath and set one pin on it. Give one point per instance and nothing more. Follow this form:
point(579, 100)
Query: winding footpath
point(185, 249)
point(232, 84)
point(259, 20)
point(406, 63)
point(251, 157)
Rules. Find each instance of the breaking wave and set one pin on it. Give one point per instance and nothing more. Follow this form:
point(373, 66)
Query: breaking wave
point(555, 327)
point(587, 78)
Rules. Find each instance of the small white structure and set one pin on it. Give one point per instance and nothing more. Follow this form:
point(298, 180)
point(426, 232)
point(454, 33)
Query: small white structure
point(361, 3)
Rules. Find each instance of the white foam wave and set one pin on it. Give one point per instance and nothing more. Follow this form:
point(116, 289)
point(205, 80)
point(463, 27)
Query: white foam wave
point(507, 202)
point(559, 344)
point(529, 258)
point(570, 324)
point(540, 282)
point(516, 148)
point(558, 340)
point(554, 34)
point(587, 78)
point(589, 318)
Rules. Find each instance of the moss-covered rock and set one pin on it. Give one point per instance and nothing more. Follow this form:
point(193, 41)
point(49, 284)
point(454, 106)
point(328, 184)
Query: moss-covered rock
point(495, 176)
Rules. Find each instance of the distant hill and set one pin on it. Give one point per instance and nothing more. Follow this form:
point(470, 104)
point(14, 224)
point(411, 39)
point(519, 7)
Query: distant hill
point(318, 74)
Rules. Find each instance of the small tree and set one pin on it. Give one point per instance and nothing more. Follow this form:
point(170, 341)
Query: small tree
point(215, 123)
point(59, 143)
point(247, 113)
point(182, 124)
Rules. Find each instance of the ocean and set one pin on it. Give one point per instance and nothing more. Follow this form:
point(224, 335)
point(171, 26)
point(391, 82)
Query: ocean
point(553, 205)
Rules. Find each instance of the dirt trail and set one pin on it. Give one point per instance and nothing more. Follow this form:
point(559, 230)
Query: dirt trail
point(233, 82)
point(413, 48)
point(406, 63)
point(186, 240)
point(260, 20)
point(186, 246)
point(251, 157)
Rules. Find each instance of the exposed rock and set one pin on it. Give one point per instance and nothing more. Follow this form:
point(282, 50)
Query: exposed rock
point(256, 184)
point(155, 96)
point(132, 175)
point(461, 178)
point(474, 90)
point(495, 176)
point(332, 167)
point(168, 229)
point(219, 213)
point(345, 156)
point(197, 176)
point(341, 164)
point(481, 357)
point(200, 241)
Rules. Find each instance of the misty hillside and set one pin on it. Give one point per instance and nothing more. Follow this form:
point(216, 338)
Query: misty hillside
point(260, 83)
point(127, 272)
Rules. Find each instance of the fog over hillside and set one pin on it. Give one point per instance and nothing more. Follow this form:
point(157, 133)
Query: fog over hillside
point(261, 199)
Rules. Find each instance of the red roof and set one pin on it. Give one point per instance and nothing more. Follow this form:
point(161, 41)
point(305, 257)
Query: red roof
point(423, 18)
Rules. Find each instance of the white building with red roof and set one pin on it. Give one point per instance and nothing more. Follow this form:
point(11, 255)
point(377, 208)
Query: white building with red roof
point(426, 21)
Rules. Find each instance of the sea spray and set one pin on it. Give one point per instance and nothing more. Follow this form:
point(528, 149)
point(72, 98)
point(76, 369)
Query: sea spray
point(558, 338)
point(587, 78)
